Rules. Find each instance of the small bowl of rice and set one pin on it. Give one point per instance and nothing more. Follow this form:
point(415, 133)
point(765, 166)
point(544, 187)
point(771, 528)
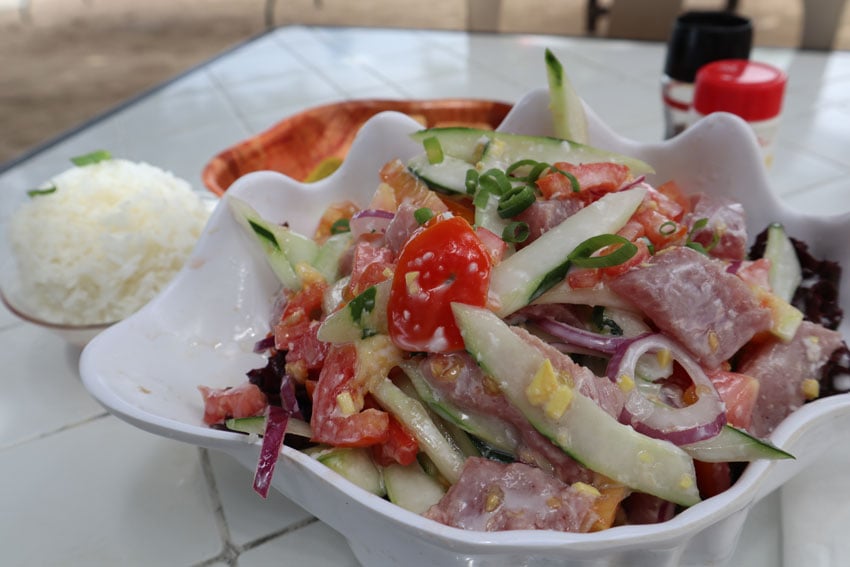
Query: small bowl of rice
point(95, 243)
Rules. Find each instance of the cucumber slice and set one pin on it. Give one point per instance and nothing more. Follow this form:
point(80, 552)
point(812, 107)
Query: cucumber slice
point(284, 249)
point(460, 142)
point(524, 276)
point(411, 487)
point(353, 463)
point(580, 427)
point(448, 176)
point(568, 116)
point(501, 148)
point(785, 273)
point(362, 317)
point(488, 428)
point(734, 445)
point(257, 426)
point(329, 254)
point(413, 415)
point(488, 216)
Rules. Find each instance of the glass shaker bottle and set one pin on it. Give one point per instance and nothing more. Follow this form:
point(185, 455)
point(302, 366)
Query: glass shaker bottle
point(750, 89)
point(698, 38)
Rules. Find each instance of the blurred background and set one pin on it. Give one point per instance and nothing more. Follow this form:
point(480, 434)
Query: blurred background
point(63, 62)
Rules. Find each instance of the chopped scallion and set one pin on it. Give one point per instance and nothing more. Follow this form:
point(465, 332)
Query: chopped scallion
point(340, 225)
point(423, 215)
point(574, 184)
point(433, 149)
point(43, 191)
point(91, 158)
point(582, 255)
point(515, 201)
point(667, 228)
point(691, 243)
point(495, 181)
point(471, 181)
point(516, 232)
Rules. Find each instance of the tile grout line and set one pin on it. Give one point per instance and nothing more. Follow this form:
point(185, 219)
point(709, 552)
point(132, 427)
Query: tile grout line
point(230, 552)
point(58, 430)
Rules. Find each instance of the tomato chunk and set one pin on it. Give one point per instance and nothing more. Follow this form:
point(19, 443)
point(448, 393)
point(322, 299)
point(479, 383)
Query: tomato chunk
point(370, 265)
point(594, 180)
point(338, 416)
point(401, 447)
point(244, 400)
point(443, 263)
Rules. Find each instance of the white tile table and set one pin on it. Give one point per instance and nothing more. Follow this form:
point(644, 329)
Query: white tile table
point(83, 488)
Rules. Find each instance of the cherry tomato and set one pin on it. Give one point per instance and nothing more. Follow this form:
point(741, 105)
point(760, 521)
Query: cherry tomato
point(443, 263)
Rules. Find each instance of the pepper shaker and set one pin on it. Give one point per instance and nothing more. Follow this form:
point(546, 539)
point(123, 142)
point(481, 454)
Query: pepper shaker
point(698, 38)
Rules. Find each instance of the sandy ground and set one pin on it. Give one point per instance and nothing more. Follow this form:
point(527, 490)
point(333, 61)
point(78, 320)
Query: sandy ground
point(63, 62)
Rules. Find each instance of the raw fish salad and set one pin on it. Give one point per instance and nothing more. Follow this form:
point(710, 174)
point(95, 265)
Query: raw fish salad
point(522, 333)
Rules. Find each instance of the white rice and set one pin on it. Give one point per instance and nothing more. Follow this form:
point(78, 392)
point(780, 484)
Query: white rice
point(108, 239)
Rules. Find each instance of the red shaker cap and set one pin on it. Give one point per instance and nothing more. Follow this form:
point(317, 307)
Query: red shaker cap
point(749, 89)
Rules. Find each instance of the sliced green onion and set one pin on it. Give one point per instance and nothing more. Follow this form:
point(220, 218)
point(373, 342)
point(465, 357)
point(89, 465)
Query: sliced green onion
point(691, 243)
point(479, 201)
point(340, 225)
point(45, 191)
point(471, 181)
point(423, 215)
point(516, 201)
point(537, 169)
point(495, 181)
point(363, 303)
point(574, 184)
point(92, 158)
point(433, 149)
point(667, 228)
point(582, 255)
point(515, 232)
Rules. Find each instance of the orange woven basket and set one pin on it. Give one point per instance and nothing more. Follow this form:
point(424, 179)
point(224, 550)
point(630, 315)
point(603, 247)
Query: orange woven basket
point(298, 144)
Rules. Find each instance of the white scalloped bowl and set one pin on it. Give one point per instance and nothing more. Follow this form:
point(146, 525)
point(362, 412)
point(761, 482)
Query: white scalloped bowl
point(201, 329)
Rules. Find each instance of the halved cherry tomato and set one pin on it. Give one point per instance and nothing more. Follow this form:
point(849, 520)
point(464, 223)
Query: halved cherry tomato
point(339, 423)
point(440, 264)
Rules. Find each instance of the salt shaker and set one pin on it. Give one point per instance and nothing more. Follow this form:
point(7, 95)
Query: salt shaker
point(698, 38)
point(749, 89)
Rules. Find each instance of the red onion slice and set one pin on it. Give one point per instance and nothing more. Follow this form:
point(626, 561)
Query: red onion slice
point(276, 421)
point(680, 425)
point(370, 221)
point(606, 344)
point(277, 418)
